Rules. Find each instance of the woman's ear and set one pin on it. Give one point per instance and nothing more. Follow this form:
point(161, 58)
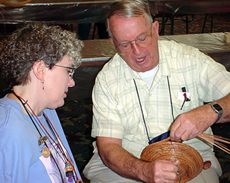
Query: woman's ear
point(39, 69)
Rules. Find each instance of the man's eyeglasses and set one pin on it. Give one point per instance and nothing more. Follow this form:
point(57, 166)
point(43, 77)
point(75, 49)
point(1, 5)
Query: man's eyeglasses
point(142, 41)
point(70, 70)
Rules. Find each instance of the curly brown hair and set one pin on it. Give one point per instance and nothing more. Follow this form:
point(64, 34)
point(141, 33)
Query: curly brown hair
point(20, 50)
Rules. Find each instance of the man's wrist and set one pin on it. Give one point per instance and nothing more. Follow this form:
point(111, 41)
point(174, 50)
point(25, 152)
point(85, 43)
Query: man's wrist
point(218, 110)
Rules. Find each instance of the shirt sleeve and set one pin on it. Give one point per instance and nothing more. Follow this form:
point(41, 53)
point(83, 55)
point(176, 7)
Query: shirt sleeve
point(106, 119)
point(214, 79)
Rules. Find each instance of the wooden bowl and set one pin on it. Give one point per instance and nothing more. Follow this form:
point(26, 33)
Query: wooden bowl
point(190, 161)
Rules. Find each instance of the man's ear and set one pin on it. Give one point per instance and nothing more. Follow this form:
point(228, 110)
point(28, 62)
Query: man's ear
point(155, 28)
point(112, 41)
point(39, 69)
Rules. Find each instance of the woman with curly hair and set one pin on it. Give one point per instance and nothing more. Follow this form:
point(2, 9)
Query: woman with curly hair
point(37, 62)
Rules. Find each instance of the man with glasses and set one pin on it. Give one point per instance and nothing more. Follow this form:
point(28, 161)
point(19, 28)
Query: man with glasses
point(145, 87)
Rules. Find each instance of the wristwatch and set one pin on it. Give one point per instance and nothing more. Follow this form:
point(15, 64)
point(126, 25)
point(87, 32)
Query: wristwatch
point(217, 109)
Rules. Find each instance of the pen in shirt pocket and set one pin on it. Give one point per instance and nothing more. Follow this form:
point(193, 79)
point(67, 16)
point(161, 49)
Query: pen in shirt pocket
point(185, 96)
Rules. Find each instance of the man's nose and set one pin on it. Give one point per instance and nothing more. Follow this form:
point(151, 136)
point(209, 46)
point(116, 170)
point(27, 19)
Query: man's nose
point(135, 47)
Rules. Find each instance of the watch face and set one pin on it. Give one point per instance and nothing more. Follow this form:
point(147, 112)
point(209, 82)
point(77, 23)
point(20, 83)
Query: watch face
point(217, 107)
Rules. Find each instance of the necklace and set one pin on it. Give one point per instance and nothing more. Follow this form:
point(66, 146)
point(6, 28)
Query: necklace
point(165, 134)
point(47, 140)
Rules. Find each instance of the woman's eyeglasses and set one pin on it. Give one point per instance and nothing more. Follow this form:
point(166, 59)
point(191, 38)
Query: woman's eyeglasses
point(70, 70)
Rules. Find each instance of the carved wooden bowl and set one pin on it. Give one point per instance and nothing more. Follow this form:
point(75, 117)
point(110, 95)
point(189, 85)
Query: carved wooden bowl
point(190, 161)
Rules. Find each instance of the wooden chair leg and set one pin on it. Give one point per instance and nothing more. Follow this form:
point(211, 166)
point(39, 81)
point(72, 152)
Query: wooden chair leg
point(204, 23)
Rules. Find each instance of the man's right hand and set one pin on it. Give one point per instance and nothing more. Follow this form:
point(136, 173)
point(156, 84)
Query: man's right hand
point(160, 171)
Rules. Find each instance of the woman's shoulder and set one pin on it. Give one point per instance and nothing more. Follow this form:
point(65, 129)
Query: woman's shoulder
point(6, 107)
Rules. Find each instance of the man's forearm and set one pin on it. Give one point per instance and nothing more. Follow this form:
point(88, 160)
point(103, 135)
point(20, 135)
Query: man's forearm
point(121, 161)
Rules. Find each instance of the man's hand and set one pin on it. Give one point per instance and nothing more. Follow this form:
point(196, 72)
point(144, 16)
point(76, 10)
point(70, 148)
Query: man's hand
point(190, 124)
point(160, 171)
point(129, 166)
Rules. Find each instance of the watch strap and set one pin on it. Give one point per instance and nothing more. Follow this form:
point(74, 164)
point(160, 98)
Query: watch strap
point(217, 109)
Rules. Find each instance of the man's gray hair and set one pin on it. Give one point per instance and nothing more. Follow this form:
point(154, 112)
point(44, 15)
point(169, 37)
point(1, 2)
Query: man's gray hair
point(130, 8)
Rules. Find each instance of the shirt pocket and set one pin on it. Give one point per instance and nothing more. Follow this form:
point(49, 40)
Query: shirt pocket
point(181, 105)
